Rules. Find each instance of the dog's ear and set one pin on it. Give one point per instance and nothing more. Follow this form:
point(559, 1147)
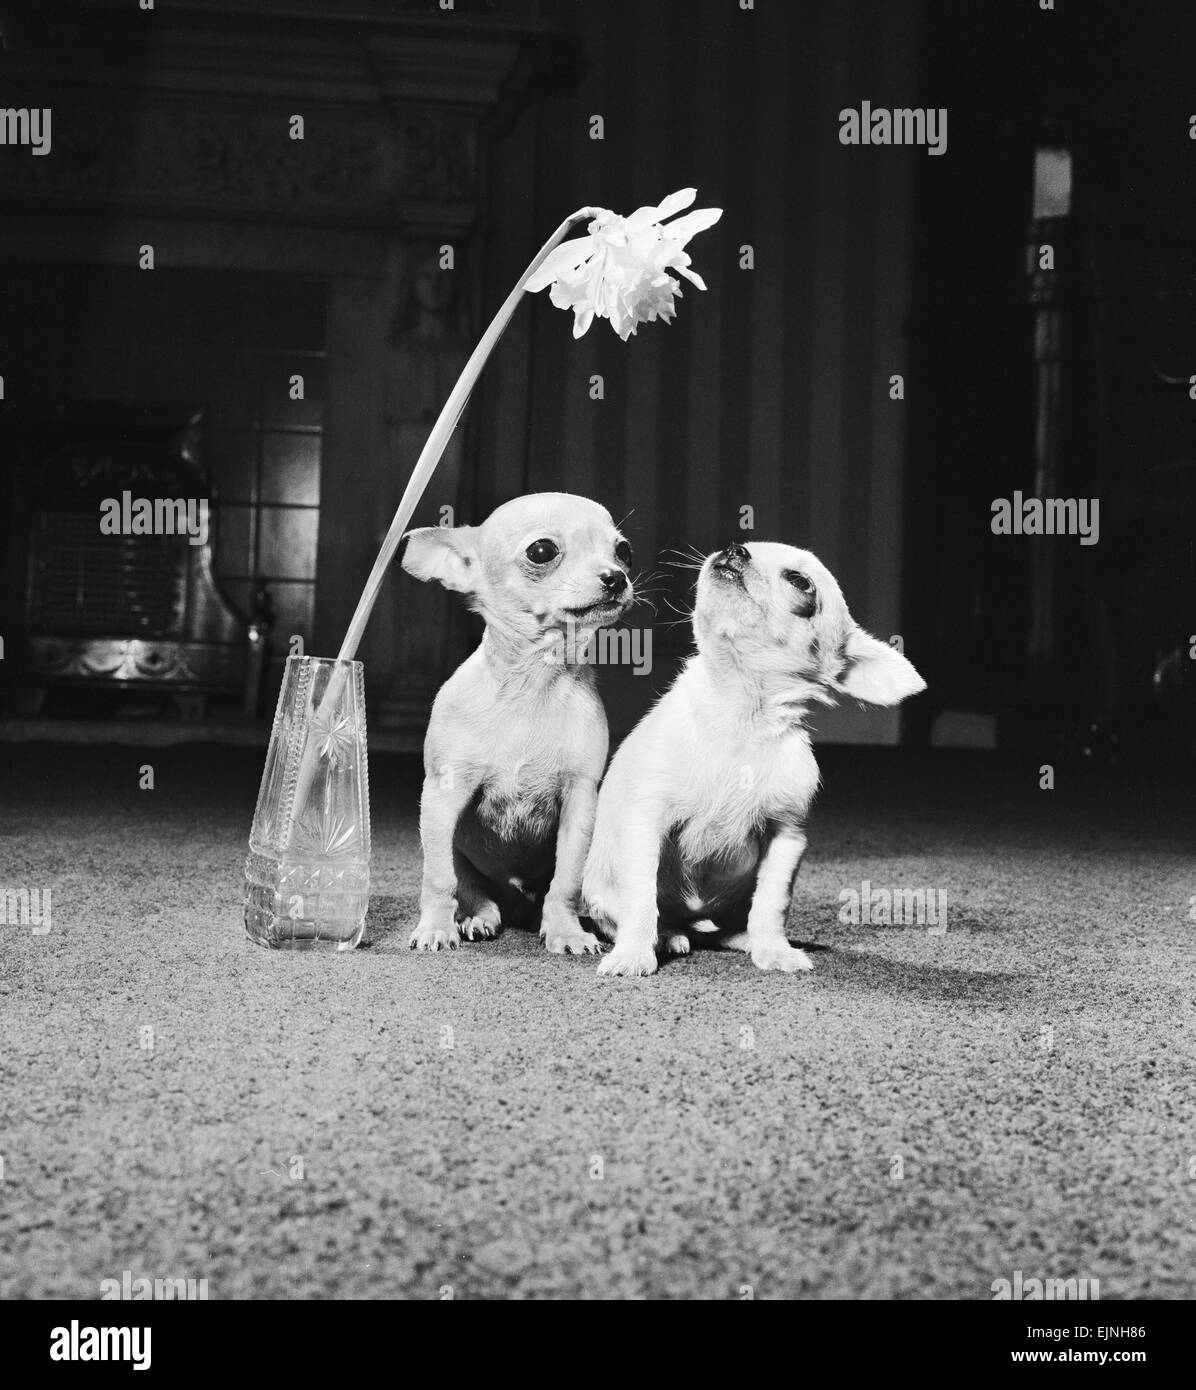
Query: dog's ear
point(875, 672)
point(446, 554)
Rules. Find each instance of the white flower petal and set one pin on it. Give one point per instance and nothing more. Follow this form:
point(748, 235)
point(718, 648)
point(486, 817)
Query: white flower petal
point(675, 202)
point(644, 241)
point(560, 261)
point(648, 216)
point(692, 223)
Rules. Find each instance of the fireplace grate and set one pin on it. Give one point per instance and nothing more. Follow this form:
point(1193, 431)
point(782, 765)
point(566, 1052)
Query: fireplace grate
point(83, 583)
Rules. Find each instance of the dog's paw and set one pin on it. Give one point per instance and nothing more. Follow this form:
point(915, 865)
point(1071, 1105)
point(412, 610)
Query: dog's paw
point(478, 928)
point(580, 943)
point(562, 934)
point(478, 917)
point(629, 960)
point(435, 931)
point(779, 955)
point(675, 944)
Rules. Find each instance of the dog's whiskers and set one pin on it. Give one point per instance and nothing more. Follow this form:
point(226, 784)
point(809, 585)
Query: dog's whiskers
point(686, 560)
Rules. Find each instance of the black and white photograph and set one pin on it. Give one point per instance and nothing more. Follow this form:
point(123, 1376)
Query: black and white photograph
point(597, 665)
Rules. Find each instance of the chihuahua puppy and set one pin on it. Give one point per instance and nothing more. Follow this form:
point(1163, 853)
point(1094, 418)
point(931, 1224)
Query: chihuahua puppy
point(701, 818)
point(517, 739)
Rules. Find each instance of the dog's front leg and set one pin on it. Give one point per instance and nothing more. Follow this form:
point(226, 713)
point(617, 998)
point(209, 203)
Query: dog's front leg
point(634, 912)
point(445, 796)
point(560, 930)
point(770, 903)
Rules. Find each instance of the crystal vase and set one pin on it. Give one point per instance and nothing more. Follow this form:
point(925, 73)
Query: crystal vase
point(307, 876)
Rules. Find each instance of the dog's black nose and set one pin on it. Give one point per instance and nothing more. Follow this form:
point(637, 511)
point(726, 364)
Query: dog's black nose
point(733, 558)
point(613, 581)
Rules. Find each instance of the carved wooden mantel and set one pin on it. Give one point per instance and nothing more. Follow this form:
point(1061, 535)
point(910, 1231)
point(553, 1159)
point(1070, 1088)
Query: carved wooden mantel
point(173, 127)
point(186, 110)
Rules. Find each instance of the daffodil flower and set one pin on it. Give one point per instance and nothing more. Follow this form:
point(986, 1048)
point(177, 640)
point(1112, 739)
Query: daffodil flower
point(620, 269)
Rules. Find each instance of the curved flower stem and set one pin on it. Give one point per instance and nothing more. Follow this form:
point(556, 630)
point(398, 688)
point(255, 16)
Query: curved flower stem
point(421, 474)
point(441, 433)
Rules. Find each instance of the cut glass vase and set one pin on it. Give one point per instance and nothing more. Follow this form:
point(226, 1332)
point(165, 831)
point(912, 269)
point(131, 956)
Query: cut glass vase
point(307, 876)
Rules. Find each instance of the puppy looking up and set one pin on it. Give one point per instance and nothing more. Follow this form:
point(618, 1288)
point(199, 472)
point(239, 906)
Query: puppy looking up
point(701, 818)
point(517, 739)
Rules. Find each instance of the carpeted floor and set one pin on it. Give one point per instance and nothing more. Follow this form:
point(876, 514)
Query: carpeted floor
point(921, 1116)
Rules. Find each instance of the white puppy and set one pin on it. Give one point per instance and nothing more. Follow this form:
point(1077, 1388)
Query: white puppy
point(517, 738)
point(701, 817)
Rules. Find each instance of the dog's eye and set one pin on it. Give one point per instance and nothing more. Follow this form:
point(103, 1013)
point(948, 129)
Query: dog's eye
point(799, 581)
point(542, 552)
point(623, 554)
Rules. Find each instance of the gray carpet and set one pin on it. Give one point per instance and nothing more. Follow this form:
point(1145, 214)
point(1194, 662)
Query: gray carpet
point(504, 1124)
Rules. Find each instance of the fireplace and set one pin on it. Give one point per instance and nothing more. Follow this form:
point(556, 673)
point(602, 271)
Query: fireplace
point(239, 195)
point(112, 519)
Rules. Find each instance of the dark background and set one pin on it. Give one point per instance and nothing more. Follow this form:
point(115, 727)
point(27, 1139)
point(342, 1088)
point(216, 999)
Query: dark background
point(771, 391)
point(1110, 85)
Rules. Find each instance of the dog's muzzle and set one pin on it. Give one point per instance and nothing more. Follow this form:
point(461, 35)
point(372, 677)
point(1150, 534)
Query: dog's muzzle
point(732, 562)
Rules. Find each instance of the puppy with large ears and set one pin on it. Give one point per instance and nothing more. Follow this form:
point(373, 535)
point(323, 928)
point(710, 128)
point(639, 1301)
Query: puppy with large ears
point(517, 738)
point(701, 818)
